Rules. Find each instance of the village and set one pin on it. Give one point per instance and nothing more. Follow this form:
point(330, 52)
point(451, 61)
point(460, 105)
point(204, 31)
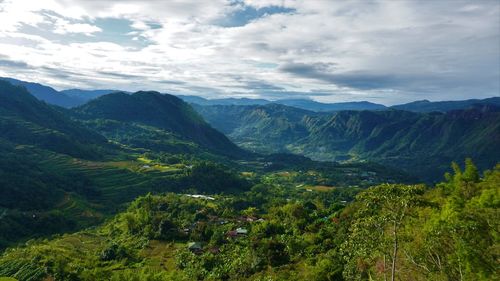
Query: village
point(240, 230)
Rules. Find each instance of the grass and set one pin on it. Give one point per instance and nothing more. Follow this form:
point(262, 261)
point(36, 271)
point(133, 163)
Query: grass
point(161, 254)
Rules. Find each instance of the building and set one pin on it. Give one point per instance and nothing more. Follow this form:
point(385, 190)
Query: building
point(241, 231)
point(195, 247)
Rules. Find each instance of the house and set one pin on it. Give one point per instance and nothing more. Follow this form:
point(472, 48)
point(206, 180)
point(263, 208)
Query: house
point(214, 250)
point(195, 247)
point(241, 231)
point(232, 234)
point(200, 196)
point(251, 219)
point(247, 219)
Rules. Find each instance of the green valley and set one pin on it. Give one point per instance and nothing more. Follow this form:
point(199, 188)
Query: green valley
point(249, 140)
point(138, 186)
point(420, 143)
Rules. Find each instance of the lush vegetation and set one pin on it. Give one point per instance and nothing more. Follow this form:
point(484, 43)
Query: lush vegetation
point(59, 175)
point(387, 232)
point(139, 187)
point(153, 114)
point(421, 143)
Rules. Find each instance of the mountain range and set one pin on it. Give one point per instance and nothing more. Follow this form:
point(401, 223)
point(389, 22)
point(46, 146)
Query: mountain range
point(65, 169)
point(62, 169)
point(75, 97)
point(423, 143)
point(421, 137)
point(307, 104)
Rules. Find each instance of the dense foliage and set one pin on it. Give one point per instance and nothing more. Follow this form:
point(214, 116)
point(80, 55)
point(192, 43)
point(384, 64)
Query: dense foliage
point(26, 120)
point(151, 192)
point(388, 232)
point(159, 111)
point(421, 143)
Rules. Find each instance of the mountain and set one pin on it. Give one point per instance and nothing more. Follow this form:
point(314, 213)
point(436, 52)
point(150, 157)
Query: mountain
point(262, 128)
point(318, 106)
point(46, 94)
point(57, 175)
point(86, 95)
point(305, 104)
point(421, 143)
point(26, 120)
point(443, 106)
point(151, 112)
point(226, 101)
point(44, 187)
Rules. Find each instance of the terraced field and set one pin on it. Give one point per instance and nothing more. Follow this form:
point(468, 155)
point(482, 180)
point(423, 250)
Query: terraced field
point(116, 182)
point(77, 193)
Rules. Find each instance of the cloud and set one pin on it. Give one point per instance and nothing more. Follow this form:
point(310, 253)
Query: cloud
point(13, 64)
point(63, 27)
point(382, 51)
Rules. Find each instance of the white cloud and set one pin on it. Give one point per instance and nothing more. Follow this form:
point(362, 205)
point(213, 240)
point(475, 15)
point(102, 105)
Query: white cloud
point(63, 26)
point(384, 51)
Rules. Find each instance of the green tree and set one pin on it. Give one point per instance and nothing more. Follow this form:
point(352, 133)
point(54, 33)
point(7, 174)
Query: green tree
point(375, 230)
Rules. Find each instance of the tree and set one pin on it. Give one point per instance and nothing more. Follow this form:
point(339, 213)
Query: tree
point(462, 235)
point(375, 230)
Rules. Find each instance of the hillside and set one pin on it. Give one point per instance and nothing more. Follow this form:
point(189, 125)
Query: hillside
point(57, 175)
point(261, 128)
point(26, 120)
point(421, 143)
point(160, 112)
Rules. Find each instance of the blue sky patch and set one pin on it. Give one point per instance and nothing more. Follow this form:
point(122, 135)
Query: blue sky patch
point(246, 14)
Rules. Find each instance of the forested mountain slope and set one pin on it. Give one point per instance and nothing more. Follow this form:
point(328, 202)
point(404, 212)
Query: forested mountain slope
point(26, 120)
point(419, 142)
point(154, 114)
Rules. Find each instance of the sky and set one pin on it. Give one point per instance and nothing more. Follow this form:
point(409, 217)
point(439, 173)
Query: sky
point(386, 51)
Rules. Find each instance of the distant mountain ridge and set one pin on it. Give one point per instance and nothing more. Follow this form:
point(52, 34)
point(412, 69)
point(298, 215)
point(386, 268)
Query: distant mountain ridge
point(75, 97)
point(86, 95)
point(443, 106)
point(46, 93)
point(299, 103)
point(306, 104)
